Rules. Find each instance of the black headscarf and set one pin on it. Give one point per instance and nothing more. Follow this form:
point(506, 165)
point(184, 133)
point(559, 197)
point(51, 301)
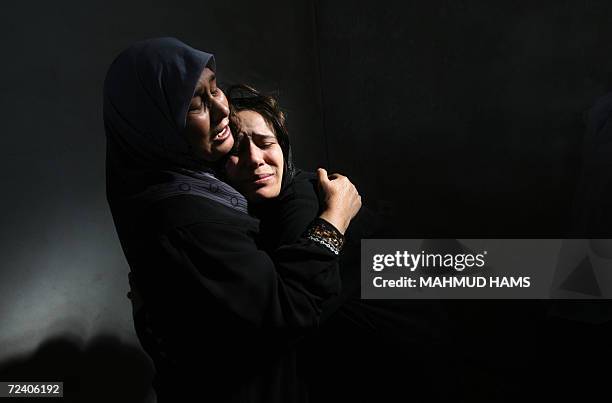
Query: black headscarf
point(147, 92)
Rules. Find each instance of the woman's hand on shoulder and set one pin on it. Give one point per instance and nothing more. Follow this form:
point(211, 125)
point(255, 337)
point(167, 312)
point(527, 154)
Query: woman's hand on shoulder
point(342, 201)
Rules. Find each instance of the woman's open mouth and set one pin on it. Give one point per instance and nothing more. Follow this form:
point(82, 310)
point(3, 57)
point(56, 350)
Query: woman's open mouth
point(223, 134)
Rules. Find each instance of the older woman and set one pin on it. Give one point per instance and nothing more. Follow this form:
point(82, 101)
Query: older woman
point(215, 312)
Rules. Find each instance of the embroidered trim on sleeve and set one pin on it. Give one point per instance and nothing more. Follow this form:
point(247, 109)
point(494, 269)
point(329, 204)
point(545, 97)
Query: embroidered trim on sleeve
point(325, 234)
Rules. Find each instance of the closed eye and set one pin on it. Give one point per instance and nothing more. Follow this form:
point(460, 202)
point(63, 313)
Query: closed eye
point(264, 141)
point(196, 103)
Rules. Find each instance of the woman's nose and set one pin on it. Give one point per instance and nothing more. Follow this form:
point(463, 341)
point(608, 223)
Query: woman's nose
point(255, 155)
point(219, 108)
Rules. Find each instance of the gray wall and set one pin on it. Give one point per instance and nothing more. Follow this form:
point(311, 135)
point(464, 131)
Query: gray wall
point(463, 118)
point(453, 117)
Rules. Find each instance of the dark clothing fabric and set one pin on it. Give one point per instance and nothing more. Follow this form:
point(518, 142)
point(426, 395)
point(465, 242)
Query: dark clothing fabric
point(286, 217)
point(355, 353)
point(220, 316)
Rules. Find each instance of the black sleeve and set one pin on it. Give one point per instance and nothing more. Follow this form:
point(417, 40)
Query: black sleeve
point(193, 258)
point(285, 219)
point(285, 290)
point(288, 217)
point(292, 212)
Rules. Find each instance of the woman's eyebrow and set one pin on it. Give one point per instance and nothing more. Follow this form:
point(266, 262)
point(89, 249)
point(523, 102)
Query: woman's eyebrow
point(263, 135)
point(200, 86)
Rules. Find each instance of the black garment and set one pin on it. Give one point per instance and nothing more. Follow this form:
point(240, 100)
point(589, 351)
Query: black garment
point(220, 316)
point(285, 218)
point(355, 353)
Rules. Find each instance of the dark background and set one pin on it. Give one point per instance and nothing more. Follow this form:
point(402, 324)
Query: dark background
point(465, 116)
point(454, 119)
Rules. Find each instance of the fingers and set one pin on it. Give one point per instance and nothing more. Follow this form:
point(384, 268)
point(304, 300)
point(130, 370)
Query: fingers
point(322, 175)
point(337, 176)
point(338, 186)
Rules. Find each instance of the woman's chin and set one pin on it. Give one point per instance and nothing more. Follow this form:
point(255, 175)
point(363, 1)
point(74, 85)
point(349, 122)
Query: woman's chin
point(263, 193)
point(217, 152)
point(224, 147)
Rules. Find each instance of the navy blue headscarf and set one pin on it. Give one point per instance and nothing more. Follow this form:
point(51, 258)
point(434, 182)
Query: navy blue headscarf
point(147, 93)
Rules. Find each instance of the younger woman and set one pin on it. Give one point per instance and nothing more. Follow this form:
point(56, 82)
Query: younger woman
point(348, 356)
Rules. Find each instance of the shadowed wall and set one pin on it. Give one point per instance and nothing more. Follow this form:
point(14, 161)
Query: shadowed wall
point(454, 118)
point(463, 118)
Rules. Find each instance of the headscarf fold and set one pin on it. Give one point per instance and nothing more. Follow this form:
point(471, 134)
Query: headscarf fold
point(147, 92)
